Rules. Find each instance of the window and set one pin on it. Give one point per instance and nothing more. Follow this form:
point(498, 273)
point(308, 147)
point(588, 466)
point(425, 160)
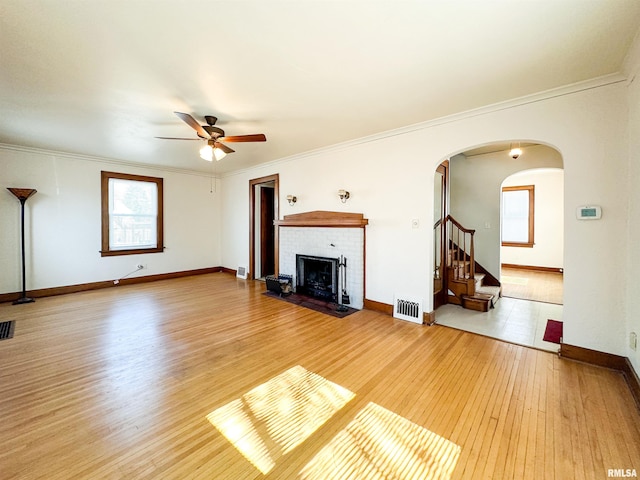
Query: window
point(517, 216)
point(131, 214)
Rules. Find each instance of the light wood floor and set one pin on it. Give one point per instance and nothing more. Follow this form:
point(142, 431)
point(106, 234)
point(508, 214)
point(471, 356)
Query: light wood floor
point(138, 382)
point(532, 285)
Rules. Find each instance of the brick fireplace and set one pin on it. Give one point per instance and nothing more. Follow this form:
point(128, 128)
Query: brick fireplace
point(326, 235)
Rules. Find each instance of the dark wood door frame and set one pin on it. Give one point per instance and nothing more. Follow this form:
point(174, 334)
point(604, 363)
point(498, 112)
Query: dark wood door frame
point(252, 220)
point(440, 296)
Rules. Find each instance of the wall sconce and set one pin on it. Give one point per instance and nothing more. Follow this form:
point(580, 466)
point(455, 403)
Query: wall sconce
point(344, 195)
point(292, 199)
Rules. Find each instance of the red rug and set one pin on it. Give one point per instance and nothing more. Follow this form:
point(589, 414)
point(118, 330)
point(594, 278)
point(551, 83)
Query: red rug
point(553, 332)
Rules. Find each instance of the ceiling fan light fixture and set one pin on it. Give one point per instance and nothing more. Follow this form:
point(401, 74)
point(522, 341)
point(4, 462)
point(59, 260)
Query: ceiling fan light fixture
point(206, 153)
point(219, 153)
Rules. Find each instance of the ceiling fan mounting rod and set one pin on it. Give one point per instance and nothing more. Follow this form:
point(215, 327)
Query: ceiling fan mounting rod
point(215, 132)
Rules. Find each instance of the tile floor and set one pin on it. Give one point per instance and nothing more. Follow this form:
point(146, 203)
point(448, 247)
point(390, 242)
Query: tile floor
point(513, 320)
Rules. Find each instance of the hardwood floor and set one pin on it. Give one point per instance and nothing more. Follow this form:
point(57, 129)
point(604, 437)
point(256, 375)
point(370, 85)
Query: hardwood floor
point(139, 381)
point(532, 285)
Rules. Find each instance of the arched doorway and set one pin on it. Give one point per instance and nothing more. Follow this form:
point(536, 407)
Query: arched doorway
point(476, 178)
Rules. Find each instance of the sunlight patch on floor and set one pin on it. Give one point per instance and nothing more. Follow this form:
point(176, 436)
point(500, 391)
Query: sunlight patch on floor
point(379, 444)
point(277, 416)
point(514, 280)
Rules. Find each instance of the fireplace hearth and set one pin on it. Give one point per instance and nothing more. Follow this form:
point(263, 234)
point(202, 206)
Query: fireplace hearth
point(317, 277)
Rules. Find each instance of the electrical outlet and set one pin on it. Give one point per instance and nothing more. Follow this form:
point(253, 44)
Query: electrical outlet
point(633, 340)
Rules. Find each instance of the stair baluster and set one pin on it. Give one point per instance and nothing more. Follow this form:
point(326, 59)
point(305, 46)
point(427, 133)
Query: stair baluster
point(461, 261)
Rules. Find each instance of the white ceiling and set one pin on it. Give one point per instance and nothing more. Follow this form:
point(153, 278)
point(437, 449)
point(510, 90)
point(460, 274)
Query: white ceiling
point(102, 78)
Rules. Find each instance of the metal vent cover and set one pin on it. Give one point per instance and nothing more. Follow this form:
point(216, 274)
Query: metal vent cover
point(408, 308)
point(6, 329)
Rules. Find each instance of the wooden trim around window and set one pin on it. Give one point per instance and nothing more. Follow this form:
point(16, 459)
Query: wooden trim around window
point(104, 183)
point(531, 189)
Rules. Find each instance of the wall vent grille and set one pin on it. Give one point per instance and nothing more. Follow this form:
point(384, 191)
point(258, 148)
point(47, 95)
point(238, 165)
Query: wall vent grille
point(242, 272)
point(407, 308)
point(6, 329)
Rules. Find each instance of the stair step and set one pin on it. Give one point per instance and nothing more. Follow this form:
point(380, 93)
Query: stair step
point(489, 290)
point(494, 292)
point(478, 302)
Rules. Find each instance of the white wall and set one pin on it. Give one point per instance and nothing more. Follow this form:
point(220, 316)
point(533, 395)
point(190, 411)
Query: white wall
point(633, 259)
point(64, 228)
point(476, 185)
point(548, 248)
point(391, 180)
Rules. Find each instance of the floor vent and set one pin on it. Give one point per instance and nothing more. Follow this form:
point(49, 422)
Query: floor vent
point(405, 308)
point(6, 329)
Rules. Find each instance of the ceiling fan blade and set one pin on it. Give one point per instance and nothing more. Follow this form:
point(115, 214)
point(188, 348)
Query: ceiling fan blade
point(189, 120)
point(223, 147)
point(259, 137)
point(178, 138)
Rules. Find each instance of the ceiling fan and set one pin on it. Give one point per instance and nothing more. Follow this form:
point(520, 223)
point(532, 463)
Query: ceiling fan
point(213, 135)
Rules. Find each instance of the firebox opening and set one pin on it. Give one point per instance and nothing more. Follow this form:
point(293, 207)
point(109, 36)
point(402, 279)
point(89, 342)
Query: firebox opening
point(317, 277)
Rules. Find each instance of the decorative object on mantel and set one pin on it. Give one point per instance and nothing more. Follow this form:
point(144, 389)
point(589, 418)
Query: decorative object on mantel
point(320, 218)
point(344, 195)
point(292, 199)
point(23, 194)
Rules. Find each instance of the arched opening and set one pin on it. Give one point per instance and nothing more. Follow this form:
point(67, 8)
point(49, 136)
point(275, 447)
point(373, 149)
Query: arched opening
point(476, 178)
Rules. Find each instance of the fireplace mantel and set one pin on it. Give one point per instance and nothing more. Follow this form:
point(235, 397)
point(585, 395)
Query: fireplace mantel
point(321, 218)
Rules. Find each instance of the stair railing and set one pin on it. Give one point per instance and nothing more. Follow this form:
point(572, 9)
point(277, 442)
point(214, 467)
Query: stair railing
point(461, 257)
point(438, 246)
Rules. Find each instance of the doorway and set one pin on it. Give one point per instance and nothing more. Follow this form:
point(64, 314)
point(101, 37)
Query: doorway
point(440, 212)
point(532, 235)
point(476, 178)
point(263, 244)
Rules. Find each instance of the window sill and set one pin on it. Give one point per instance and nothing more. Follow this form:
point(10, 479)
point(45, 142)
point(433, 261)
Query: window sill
point(512, 244)
point(137, 251)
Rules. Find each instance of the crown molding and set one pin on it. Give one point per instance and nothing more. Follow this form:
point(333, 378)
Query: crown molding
point(631, 63)
point(110, 161)
point(566, 90)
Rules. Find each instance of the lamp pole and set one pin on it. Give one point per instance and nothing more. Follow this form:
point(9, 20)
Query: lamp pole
point(23, 194)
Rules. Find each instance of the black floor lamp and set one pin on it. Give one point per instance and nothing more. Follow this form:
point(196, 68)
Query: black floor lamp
point(23, 194)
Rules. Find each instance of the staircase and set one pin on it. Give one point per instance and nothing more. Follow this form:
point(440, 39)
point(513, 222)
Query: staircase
point(467, 283)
